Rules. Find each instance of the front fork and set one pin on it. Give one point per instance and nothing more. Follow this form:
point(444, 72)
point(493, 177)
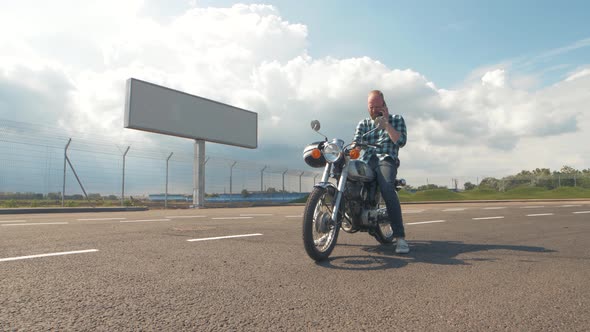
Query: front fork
point(341, 186)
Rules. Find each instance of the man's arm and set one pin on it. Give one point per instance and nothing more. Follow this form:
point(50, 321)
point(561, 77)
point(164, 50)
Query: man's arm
point(396, 129)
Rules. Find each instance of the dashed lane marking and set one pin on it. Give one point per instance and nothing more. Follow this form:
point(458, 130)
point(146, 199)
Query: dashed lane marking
point(486, 218)
point(425, 222)
point(96, 219)
point(37, 224)
point(184, 217)
point(145, 220)
point(255, 215)
point(48, 255)
point(539, 214)
point(454, 209)
point(580, 212)
point(231, 218)
point(223, 237)
point(494, 208)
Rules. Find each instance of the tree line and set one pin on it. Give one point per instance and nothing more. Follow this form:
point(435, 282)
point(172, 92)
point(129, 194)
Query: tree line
point(567, 176)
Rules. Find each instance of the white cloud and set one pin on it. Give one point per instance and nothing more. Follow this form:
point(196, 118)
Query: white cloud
point(496, 78)
point(75, 66)
point(578, 74)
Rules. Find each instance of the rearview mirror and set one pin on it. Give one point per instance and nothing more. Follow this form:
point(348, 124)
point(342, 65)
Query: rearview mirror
point(315, 125)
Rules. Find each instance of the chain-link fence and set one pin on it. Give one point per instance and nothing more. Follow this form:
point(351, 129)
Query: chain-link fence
point(97, 169)
point(100, 171)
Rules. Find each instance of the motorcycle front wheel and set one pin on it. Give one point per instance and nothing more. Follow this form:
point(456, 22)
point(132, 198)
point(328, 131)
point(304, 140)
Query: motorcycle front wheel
point(319, 231)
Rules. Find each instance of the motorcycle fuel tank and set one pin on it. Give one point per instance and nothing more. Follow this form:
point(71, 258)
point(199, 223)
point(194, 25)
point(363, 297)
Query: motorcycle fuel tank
point(360, 171)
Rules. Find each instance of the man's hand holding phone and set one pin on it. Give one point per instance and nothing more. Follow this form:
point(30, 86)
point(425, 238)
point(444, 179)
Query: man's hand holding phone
point(382, 118)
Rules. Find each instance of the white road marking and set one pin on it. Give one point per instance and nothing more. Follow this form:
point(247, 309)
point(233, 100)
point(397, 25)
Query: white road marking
point(9, 221)
point(36, 224)
point(145, 220)
point(569, 205)
point(230, 218)
point(485, 218)
point(424, 222)
point(539, 214)
point(532, 207)
point(454, 209)
point(294, 216)
point(255, 214)
point(412, 211)
point(47, 255)
point(223, 237)
point(494, 208)
point(579, 212)
point(184, 217)
point(92, 219)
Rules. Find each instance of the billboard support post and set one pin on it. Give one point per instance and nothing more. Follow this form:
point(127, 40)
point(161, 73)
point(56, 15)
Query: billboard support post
point(199, 174)
point(166, 195)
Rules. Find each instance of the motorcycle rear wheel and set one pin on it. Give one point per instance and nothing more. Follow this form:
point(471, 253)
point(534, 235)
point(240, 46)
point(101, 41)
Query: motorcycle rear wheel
point(319, 231)
point(384, 233)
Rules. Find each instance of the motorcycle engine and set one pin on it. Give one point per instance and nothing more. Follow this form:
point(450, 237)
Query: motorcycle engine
point(374, 216)
point(356, 191)
point(353, 196)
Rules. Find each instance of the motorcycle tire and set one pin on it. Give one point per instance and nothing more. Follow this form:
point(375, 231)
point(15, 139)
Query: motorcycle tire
point(383, 233)
point(383, 236)
point(319, 231)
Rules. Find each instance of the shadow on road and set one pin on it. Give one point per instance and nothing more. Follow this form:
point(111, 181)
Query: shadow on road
point(381, 257)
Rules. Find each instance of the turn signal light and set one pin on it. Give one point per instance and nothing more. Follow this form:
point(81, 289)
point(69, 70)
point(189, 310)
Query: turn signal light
point(316, 153)
point(355, 153)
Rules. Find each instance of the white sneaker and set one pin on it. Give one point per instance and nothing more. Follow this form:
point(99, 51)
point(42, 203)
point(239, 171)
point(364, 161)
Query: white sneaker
point(402, 246)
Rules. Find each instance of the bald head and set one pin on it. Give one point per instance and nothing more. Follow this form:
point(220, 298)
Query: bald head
point(376, 93)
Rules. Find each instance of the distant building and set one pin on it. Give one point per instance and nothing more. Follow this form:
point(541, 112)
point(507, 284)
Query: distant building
point(224, 198)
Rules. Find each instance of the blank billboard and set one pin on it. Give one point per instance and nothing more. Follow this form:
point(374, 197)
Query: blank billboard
point(162, 110)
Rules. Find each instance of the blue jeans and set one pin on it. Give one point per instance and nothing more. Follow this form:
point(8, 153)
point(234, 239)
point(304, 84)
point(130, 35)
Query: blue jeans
point(386, 171)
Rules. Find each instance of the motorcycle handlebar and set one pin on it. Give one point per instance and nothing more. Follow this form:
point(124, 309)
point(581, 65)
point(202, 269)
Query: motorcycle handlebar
point(363, 145)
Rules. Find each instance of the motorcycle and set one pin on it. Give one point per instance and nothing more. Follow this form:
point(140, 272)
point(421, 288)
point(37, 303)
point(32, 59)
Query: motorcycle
point(352, 203)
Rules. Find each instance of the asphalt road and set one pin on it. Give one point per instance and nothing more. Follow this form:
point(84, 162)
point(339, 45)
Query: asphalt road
point(473, 267)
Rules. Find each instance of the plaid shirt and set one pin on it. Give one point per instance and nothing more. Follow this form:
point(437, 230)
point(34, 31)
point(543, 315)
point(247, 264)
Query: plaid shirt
point(380, 137)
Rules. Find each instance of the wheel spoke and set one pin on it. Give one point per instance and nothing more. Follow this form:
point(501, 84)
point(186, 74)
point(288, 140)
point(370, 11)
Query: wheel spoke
point(319, 232)
point(322, 240)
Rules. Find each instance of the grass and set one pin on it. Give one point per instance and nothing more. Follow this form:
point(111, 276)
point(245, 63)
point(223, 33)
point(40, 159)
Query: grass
point(37, 203)
point(524, 192)
point(488, 194)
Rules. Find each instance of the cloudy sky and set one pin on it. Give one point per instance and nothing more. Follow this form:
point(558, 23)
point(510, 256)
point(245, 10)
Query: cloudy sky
point(486, 88)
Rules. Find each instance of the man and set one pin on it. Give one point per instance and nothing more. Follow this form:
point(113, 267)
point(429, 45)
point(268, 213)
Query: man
point(384, 160)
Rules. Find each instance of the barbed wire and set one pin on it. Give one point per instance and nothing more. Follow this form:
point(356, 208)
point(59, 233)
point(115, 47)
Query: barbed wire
point(43, 136)
point(35, 153)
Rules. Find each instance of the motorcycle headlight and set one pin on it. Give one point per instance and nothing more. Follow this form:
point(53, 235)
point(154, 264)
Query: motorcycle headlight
point(332, 152)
